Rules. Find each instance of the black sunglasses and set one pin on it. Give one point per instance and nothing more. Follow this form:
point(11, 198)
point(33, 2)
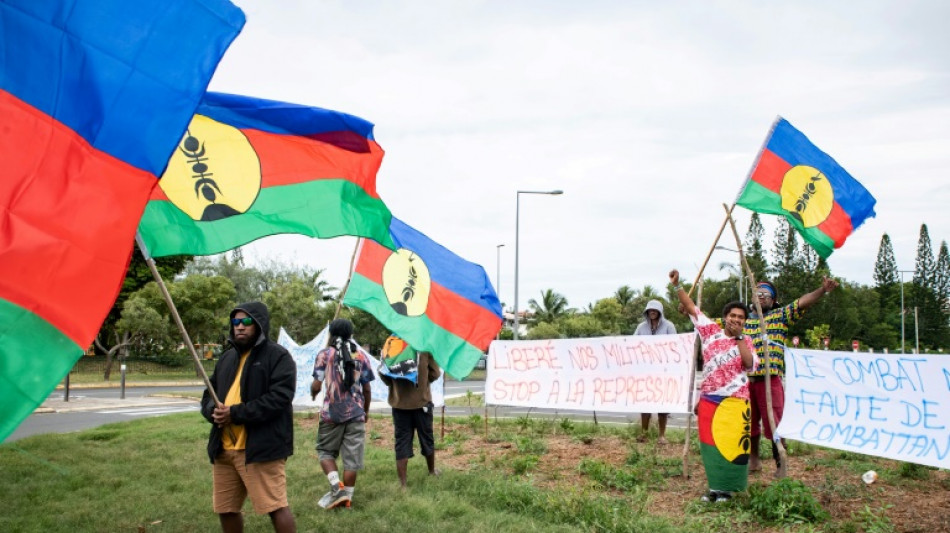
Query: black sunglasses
point(247, 321)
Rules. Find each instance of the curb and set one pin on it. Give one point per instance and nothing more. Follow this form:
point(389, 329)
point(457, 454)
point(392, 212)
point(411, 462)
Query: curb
point(100, 405)
point(131, 384)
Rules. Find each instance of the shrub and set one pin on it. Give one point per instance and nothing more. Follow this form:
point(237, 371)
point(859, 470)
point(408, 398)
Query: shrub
point(787, 501)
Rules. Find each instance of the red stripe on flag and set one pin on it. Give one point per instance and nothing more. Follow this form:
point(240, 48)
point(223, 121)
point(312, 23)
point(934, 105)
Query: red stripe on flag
point(446, 309)
point(462, 317)
point(837, 226)
point(372, 258)
point(292, 159)
point(770, 171)
point(68, 214)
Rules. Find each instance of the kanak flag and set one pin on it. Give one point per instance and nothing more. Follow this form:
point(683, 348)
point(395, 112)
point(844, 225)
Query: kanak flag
point(94, 95)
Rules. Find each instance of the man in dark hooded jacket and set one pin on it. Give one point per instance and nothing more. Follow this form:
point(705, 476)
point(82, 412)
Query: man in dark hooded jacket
point(252, 433)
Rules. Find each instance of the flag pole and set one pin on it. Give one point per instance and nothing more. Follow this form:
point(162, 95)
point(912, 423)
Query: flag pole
point(181, 326)
point(783, 464)
point(748, 177)
point(339, 304)
point(697, 353)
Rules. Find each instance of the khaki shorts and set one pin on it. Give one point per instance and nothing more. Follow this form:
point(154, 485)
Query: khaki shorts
point(348, 438)
point(265, 483)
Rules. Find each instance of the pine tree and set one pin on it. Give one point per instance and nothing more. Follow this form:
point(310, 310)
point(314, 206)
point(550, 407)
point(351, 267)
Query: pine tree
point(924, 266)
point(753, 249)
point(785, 248)
point(886, 285)
point(942, 277)
point(932, 323)
point(885, 269)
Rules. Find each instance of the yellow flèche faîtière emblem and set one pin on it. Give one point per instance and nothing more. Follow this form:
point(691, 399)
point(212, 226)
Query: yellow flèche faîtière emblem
point(406, 283)
point(214, 173)
point(807, 195)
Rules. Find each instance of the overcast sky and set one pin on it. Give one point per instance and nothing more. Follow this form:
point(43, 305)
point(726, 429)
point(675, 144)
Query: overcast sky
point(647, 114)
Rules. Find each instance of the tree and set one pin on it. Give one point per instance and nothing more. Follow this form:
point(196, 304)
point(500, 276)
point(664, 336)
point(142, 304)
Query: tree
point(580, 326)
point(626, 297)
point(551, 307)
point(753, 249)
point(886, 283)
point(931, 320)
point(924, 265)
point(544, 330)
point(785, 248)
point(942, 277)
point(110, 340)
point(885, 268)
point(608, 314)
point(292, 307)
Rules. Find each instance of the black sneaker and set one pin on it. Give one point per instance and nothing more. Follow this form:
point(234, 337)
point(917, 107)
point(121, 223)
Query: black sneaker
point(710, 497)
point(723, 497)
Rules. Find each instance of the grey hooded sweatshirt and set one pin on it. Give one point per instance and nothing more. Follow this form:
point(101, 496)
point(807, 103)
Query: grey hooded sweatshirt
point(663, 327)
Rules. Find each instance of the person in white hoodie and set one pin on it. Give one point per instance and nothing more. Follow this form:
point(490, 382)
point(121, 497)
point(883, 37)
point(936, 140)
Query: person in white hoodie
point(655, 324)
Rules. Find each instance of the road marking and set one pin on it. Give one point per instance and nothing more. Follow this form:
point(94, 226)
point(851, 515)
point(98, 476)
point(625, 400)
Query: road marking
point(142, 411)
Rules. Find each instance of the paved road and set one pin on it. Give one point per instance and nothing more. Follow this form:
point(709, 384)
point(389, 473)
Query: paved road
point(89, 408)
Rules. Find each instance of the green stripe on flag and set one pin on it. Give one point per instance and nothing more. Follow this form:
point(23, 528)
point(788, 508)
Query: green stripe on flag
point(760, 199)
point(452, 352)
point(34, 358)
point(322, 208)
point(720, 473)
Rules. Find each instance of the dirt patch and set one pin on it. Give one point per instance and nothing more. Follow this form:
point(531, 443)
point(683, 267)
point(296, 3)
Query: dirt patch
point(912, 501)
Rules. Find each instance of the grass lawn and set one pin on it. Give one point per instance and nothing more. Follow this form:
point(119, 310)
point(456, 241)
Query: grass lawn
point(153, 475)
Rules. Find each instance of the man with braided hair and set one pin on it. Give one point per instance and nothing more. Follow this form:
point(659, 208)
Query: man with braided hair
point(342, 431)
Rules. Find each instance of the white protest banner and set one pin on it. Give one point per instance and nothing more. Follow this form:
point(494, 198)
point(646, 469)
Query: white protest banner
point(643, 374)
point(305, 356)
point(889, 405)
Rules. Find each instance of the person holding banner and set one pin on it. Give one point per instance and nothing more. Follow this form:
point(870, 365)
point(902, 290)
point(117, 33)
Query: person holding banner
point(654, 323)
point(778, 319)
point(342, 431)
point(723, 407)
point(408, 374)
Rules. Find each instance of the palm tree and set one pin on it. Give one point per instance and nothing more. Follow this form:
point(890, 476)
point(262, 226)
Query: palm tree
point(625, 296)
point(552, 307)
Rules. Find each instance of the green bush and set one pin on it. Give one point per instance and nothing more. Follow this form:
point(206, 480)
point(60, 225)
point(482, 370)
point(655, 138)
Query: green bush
point(787, 501)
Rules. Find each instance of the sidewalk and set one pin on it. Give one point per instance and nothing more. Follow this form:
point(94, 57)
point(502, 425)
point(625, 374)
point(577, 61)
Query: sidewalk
point(55, 403)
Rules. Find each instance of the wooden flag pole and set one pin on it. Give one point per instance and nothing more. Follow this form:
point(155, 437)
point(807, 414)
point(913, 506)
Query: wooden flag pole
point(783, 456)
point(697, 353)
point(181, 326)
point(339, 304)
point(712, 249)
point(748, 178)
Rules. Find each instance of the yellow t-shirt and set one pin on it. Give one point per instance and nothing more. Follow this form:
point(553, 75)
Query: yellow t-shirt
point(234, 398)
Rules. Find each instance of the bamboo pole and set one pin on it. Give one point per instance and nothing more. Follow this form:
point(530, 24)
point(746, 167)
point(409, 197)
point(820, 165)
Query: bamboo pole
point(697, 352)
point(346, 285)
point(783, 456)
point(712, 249)
point(181, 326)
point(748, 178)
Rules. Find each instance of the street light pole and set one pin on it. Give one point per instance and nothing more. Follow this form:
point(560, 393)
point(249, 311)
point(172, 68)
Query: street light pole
point(739, 273)
point(517, 231)
point(498, 271)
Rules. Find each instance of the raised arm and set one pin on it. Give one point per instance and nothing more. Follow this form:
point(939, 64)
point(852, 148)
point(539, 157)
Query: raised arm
point(809, 299)
point(688, 306)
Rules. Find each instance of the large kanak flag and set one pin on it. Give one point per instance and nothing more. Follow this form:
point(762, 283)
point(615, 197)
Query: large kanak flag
point(433, 299)
point(819, 198)
point(247, 168)
point(94, 95)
